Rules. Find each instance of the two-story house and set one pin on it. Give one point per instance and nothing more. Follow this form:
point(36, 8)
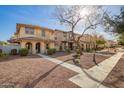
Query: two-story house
point(38, 39)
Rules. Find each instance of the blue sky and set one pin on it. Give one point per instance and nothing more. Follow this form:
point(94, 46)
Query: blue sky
point(37, 15)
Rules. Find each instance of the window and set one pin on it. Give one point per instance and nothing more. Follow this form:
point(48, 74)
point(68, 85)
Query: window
point(47, 46)
point(64, 34)
point(43, 33)
point(29, 30)
point(70, 35)
point(55, 38)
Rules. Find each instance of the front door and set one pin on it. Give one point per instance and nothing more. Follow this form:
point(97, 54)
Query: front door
point(37, 47)
point(71, 46)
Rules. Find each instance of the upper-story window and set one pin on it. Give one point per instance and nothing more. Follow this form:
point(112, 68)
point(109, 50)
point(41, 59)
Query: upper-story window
point(70, 35)
point(64, 34)
point(29, 30)
point(43, 33)
point(55, 38)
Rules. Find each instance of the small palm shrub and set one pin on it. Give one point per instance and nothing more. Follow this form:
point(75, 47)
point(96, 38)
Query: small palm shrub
point(23, 52)
point(14, 51)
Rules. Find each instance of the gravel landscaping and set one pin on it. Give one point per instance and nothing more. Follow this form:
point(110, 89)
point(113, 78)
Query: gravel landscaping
point(86, 58)
point(33, 71)
point(115, 79)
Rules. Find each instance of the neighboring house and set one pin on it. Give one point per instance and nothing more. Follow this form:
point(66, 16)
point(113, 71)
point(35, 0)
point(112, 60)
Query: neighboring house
point(111, 43)
point(64, 40)
point(38, 39)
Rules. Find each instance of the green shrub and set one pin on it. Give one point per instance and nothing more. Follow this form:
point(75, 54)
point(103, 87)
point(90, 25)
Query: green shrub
point(3, 55)
point(68, 50)
point(54, 50)
point(14, 51)
point(76, 56)
point(23, 52)
point(78, 51)
point(60, 48)
point(0, 50)
point(88, 50)
point(99, 48)
point(51, 51)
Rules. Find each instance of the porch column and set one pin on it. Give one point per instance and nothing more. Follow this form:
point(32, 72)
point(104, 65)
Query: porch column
point(74, 46)
point(33, 47)
point(52, 45)
point(90, 46)
point(62, 46)
point(66, 44)
point(84, 46)
point(43, 47)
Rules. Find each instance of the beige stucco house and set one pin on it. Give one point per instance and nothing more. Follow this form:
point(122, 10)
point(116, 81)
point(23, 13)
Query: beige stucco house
point(38, 39)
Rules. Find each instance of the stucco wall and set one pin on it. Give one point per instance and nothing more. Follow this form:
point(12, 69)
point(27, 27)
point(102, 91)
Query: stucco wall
point(8, 48)
point(37, 33)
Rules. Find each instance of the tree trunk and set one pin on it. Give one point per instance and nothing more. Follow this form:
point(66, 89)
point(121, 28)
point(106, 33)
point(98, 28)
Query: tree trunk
point(80, 49)
point(78, 54)
point(94, 58)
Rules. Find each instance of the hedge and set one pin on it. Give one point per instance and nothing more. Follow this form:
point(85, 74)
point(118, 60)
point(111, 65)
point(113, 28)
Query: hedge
point(23, 52)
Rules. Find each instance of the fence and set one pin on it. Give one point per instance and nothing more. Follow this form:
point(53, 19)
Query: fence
point(8, 48)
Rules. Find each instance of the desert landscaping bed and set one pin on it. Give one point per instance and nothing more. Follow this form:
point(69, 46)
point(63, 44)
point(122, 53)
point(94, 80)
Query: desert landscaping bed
point(86, 58)
point(115, 79)
point(33, 71)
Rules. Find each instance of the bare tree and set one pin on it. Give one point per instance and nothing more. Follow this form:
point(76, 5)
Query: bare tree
point(84, 17)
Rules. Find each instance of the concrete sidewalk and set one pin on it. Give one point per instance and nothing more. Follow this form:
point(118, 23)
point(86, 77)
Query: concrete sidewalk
point(66, 65)
point(93, 77)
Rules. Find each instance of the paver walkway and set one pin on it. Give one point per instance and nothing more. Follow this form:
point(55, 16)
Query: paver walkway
point(93, 77)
